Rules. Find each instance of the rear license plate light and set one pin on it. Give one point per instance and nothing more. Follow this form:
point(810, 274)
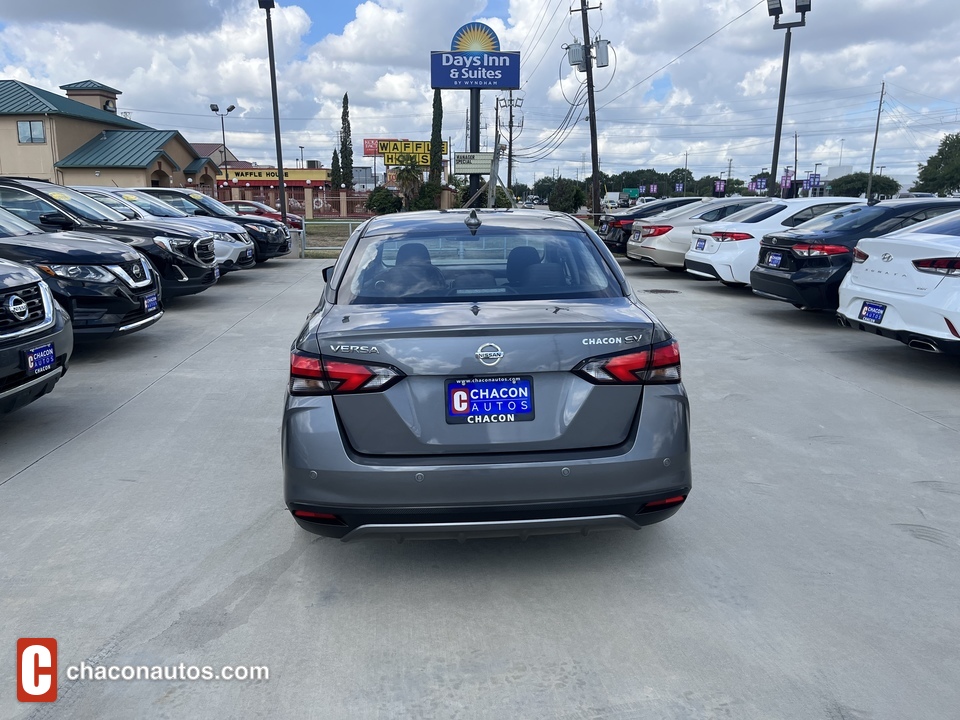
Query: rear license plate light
point(479, 400)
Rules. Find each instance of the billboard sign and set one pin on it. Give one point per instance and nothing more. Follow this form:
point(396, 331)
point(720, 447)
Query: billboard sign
point(472, 163)
point(475, 61)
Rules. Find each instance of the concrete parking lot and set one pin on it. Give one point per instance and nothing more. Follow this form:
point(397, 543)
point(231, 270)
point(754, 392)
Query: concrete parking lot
point(814, 572)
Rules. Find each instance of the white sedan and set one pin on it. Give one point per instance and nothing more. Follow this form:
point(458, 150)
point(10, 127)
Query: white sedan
point(906, 286)
point(727, 251)
point(664, 239)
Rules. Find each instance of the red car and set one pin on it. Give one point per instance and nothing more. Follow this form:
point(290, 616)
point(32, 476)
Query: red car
point(251, 207)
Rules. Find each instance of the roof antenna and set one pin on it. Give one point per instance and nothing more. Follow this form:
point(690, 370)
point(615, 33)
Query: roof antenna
point(472, 222)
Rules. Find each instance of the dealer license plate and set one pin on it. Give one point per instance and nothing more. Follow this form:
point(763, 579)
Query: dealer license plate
point(603, 228)
point(701, 243)
point(39, 359)
point(150, 302)
point(774, 258)
point(872, 312)
point(249, 253)
point(475, 401)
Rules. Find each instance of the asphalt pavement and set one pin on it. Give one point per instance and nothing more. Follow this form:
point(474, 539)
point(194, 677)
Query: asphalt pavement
point(813, 573)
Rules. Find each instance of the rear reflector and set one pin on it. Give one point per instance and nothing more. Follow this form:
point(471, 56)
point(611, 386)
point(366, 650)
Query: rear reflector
point(308, 515)
point(938, 266)
point(819, 250)
point(662, 504)
point(951, 328)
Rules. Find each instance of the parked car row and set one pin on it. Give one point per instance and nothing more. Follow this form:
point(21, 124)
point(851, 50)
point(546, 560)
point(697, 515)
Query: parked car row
point(886, 267)
point(93, 263)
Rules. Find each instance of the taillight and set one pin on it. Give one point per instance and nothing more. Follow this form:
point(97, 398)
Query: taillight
point(655, 230)
point(657, 365)
point(312, 375)
point(621, 223)
point(938, 266)
point(730, 236)
point(819, 250)
point(859, 255)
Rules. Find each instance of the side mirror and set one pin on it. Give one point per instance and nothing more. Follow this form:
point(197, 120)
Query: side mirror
point(327, 273)
point(56, 219)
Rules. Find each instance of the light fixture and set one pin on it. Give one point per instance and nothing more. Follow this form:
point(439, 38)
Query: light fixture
point(774, 7)
point(803, 6)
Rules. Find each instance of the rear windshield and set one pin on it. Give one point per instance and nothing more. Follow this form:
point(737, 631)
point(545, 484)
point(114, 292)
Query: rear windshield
point(851, 218)
point(755, 213)
point(498, 264)
point(947, 225)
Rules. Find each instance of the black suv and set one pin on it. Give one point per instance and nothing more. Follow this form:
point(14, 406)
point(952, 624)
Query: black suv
point(184, 258)
point(106, 286)
point(616, 226)
point(806, 264)
point(36, 340)
point(271, 237)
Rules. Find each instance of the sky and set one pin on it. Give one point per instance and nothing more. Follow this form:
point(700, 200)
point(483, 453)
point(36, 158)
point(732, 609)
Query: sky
point(692, 82)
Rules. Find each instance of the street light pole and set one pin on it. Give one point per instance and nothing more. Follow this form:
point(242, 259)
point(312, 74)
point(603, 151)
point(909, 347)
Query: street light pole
point(775, 9)
point(301, 158)
point(269, 5)
point(223, 134)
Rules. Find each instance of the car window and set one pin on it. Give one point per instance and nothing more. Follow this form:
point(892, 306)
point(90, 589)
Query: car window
point(13, 226)
point(151, 205)
point(897, 222)
point(24, 205)
point(178, 201)
point(500, 264)
point(756, 213)
point(948, 224)
point(851, 217)
point(85, 207)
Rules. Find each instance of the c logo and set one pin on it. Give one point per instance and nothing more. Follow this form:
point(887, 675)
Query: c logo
point(36, 669)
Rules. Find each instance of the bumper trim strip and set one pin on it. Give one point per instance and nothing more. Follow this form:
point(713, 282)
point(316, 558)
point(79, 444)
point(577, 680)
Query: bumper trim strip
point(45, 377)
point(497, 528)
point(140, 323)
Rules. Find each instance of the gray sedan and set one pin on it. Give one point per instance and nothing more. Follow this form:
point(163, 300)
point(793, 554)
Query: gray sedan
point(482, 373)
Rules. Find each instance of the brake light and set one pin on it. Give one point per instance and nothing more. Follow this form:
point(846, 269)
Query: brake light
point(655, 230)
point(312, 375)
point(658, 365)
point(729, 236)
point(621, 223)
point(819, 250)
point(859, 255)
point(939, 266)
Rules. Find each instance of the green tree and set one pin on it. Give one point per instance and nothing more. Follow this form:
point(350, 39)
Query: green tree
point(941, 174)
point(346, 145)
point(382, 201)
point(436, 143)
point(567, 196)
point(543, 187)
point(855, 185)
point(520, 190)
point(336, 173)
point(409, 179)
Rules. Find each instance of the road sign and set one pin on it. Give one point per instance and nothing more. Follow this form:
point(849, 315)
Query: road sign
point(465, 163)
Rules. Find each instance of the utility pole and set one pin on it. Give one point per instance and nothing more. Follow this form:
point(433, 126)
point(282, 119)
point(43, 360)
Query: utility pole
point(876, 134)
point(730, 172)
point(796, 163)
point(592, 109)
point(685, 173)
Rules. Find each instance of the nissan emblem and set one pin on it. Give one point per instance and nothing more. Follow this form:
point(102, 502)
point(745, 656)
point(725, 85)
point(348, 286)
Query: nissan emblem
point(489, 354)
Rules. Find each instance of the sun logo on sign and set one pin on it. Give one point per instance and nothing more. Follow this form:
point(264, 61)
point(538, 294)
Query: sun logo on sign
point(475, 37)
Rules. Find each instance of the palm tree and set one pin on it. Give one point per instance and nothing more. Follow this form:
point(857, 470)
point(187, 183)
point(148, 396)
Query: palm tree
point(409, 179)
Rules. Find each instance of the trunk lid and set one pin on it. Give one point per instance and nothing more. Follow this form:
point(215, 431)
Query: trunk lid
point(890, 263)
point(438, 346)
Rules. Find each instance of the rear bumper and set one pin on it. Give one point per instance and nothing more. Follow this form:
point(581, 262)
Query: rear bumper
point(321, 475)
point(615, 239)
point(816, 288)
point(664, 256)
point(920, 322)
